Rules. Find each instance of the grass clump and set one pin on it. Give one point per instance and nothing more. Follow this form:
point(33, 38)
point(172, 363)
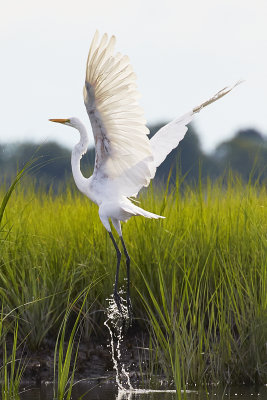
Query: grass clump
point(12, 369)
point(65, 356)
point(207, 296)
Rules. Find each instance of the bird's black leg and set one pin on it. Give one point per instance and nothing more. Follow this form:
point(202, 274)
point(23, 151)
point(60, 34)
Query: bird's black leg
point(128, 260)
point(116, 294)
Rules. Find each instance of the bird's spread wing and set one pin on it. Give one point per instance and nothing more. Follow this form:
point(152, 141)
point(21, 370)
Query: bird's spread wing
point(169, 136)
point(125, 158)
point(123, 151)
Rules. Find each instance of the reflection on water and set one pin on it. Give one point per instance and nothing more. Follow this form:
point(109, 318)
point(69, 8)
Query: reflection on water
point(101, 392)
point(110, 392)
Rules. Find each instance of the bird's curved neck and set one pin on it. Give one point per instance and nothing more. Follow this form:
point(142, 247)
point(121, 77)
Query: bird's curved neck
point(78, 151)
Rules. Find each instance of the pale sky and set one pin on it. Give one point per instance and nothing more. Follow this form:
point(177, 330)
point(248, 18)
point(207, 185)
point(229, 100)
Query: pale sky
point(182, 52)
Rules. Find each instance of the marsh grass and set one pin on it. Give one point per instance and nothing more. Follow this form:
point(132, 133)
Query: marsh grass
point(12, 368)
point(66, 349)
point(207, 299)
point(198, 277)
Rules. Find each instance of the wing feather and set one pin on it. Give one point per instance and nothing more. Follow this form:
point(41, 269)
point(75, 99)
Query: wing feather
point(169, 136)
point(125, 158)
point(123, 152)
point(93, 47)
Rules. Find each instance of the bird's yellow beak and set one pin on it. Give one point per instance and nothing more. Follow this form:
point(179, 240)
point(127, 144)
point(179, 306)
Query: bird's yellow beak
point(60, 121)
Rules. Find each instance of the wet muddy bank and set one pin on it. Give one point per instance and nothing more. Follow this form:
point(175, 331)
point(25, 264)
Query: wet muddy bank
point(94, 362)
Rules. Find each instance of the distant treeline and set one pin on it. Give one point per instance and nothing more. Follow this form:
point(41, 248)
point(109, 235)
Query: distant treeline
point(245, 154)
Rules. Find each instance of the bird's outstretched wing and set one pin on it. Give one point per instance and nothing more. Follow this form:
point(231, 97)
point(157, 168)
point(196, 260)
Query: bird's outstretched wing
point(123, 152)
point(169, 136)
point(126, 160)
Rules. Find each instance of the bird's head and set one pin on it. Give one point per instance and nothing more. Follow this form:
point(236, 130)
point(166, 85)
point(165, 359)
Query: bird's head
point(74, 122)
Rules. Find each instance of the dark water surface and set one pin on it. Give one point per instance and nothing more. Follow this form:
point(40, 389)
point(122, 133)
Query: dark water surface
point(110, 392)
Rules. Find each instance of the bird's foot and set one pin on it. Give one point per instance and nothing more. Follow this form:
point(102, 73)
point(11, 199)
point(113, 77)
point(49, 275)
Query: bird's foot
point(130, 310)
point(125, 310)
point(128, 316)
point(118, 302)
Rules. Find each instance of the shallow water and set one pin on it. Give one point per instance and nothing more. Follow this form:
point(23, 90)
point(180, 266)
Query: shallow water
point(110, 392)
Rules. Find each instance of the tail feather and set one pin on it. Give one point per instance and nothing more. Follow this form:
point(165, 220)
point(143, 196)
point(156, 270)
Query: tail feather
point(133, 209)
point(146, 214)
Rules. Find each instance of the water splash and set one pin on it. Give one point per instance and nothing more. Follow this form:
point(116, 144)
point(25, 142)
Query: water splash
point(116, 323)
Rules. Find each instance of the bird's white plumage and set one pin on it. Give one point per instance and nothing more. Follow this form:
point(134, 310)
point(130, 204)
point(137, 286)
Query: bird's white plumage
point(124, 158)
point(168, 137)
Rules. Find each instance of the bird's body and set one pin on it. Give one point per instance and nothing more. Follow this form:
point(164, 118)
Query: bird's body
point(100, 189)
point(126, 160)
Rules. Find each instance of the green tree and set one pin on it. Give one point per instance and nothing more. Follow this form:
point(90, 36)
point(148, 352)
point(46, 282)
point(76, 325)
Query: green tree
point(245, 154)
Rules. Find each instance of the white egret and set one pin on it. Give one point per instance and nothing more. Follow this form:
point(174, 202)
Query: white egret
point(125, 158)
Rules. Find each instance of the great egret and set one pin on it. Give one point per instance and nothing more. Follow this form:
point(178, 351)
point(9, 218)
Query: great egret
point(125, 158)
